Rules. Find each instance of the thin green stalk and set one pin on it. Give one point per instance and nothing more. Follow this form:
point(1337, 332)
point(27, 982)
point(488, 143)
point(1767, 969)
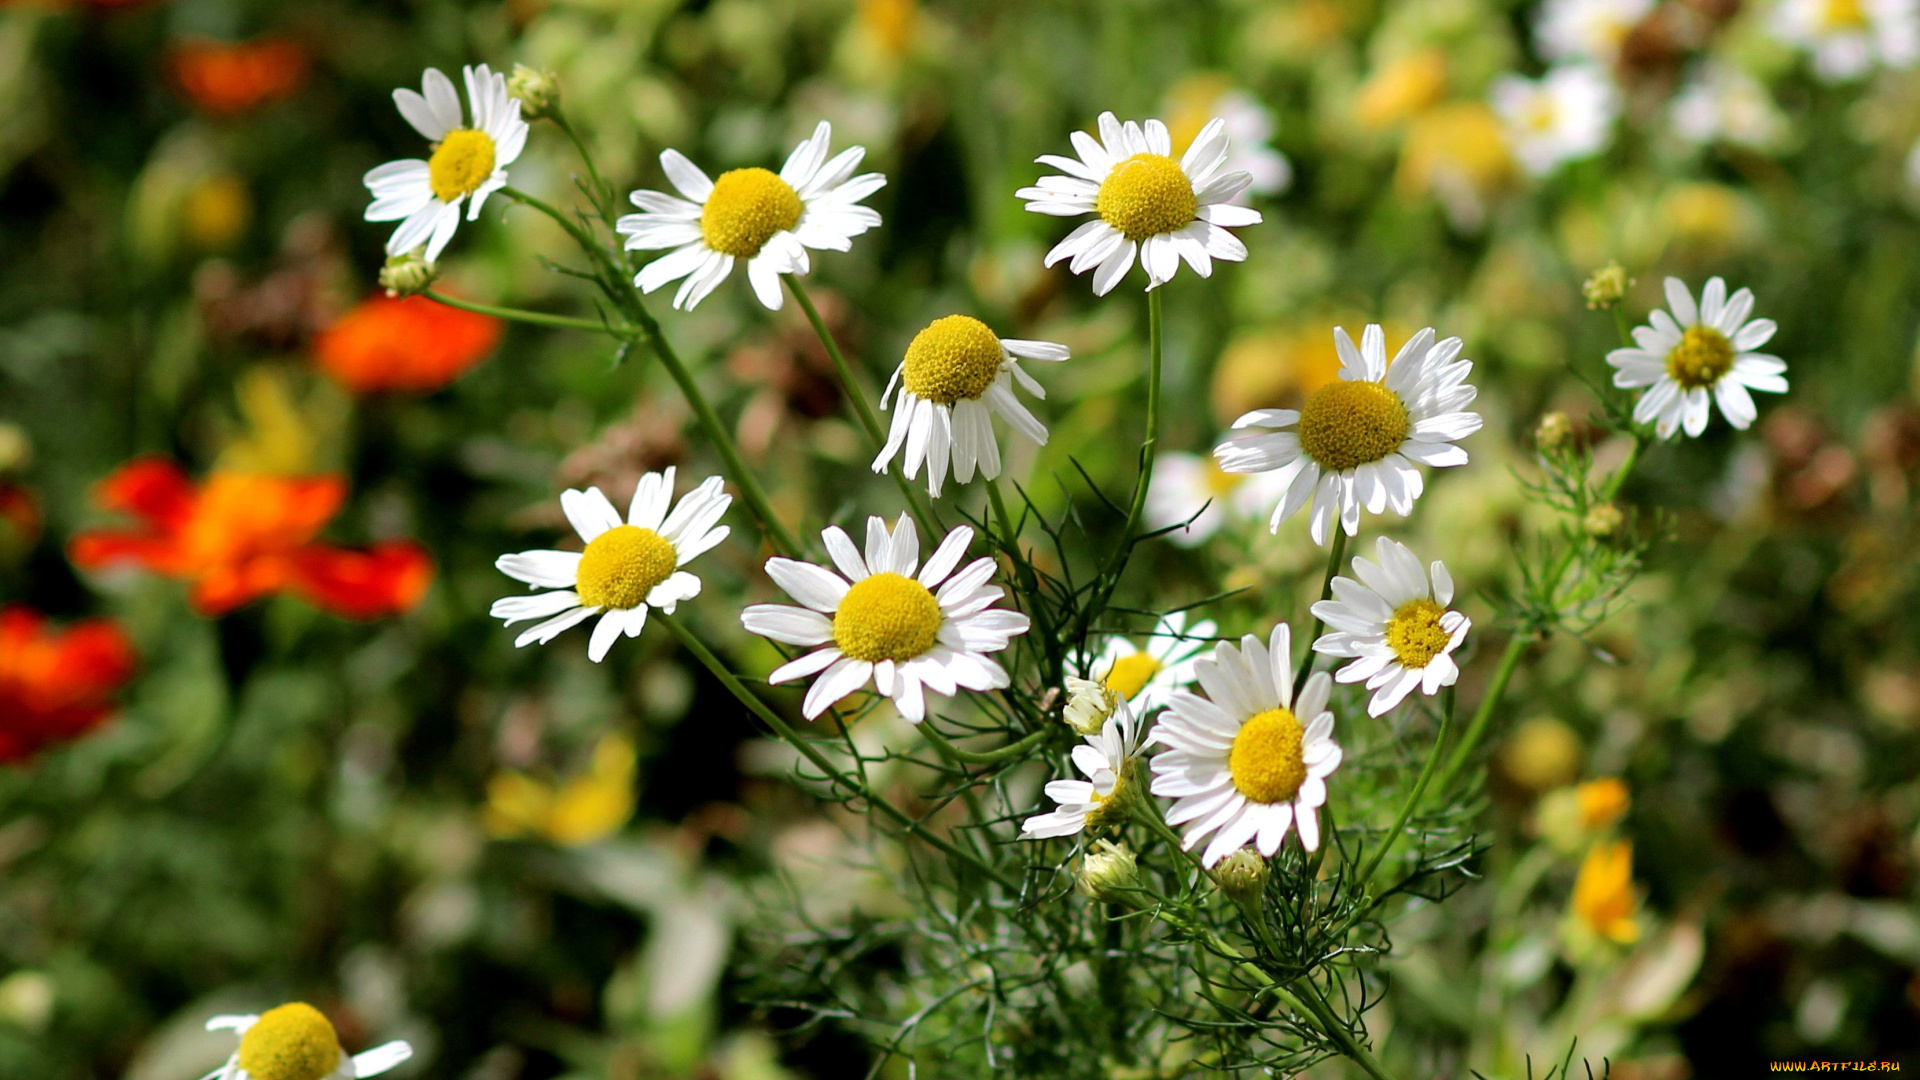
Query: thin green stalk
point(1149, 448)
point(1009, 752)
point(1334, 556)
point(537, 318)
point(574, 229)
point(602, 192)
point(1619, 478)
point(1413, 797)
point(1337, 1031)
point(1028, 582)
point(1482, 716)
point(785, 731)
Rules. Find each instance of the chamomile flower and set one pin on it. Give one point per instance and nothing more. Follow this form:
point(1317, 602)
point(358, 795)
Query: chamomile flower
point(1587, 29)
point(1247, 762)
point(1359, 439)
point(1194, 493)
point(1392, 618)
point(626, 568)
point(769, 219)
point(1721, 103)
point(1697, 350)
point(1848, 37)
point(956, 375)
point(1145, 202)
point(1563, 116)
point(880, 621)
point(1104, 759)
point(296, 1042)
point(468, 163)
point(1146, 677)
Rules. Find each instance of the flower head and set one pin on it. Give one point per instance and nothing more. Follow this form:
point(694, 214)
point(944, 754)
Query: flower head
point(1146, 677)
point(1106, 760)
point(627, 567)
point(583, 810)
point(468, 163)
point(1192, 492)
point(769, 219)
point(1249, 761)
point(1395, 624)
point(1587, 29)
point(1564, 116)
point(1697, 351)
point(1145, 202)
point(1848, 37)
point(1195, 101)
point(878, 620)
point(411, 344)
point(1721, 103)
point(296, 1042)
point(241, 536)
point(227, 78)
point(1357, 441)
point(56, 685)
point(956, 375)
point(1603, 898)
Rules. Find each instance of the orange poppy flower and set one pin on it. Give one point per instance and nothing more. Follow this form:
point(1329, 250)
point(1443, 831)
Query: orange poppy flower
point(241, 536)
point(231, 77)
point(408, 344)
point(56, 685)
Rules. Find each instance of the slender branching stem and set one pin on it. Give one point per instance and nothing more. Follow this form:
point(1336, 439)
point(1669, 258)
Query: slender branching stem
point(1334, 555)
point(1413, 797)
point(536, 318)
point(1010, 752)
point(1117, 561)
point(602, 193)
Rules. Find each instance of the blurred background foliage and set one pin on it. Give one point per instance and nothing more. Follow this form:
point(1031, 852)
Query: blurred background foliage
point(532, 866)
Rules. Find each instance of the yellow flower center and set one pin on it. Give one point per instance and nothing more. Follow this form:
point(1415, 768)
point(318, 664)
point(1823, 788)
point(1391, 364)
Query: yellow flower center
point(1146, 195)
point(1266, 762)
point(292, 1042)
point(746, 208)
point(1220, 482)
point(460, 164)
point(886, 616)
point(1347, 424)
point(1131, 673)
point(1838, 15)
point(622, 565)
point(1703, 355)
point(1540, 114)
point(1414, 634)
point(954, 358)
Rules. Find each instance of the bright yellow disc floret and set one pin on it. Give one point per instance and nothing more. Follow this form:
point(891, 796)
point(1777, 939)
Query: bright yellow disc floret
point(460, 164)
point(745, 209)
point(1131, 673)
point(1703, 355)
point(1415, 635)
point(1266, 761)
point(292, 1042)
point(622, 565)
point(886, 616)
point(954, 358)
point(1348, 423)
point(1146, 195)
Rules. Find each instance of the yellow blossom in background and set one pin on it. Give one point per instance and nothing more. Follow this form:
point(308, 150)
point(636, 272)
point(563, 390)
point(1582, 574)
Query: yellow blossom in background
point(1603, 899)
point(1709, 219)
point(281, 435)
point(1457, 154)
point(1602, 802)
point(216, 211)
point(583, 810)
point(1541, 754)
point(1401, 89)
point(893, 24)
point(1279, 367)
point(1571, 817)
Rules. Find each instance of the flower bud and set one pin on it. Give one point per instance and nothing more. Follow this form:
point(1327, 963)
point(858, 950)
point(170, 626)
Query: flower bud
point(1110, 874)
point(1242, 876)
point(1089, 703)
point(1607, 285)
point(1554, 433)
point(1603, 520)
point(405, 275)
point(537, 91)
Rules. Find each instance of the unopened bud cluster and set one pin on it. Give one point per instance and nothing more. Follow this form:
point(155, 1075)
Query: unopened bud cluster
point(537, 91)
point(1606, 287)
point(1089, 703)
point(1110, 874)
point(405, 275)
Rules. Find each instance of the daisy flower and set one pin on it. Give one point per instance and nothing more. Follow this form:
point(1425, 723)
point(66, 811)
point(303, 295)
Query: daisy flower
point(1247, 762)
point(956, 375)
point(1587, 29)
point(626, 568)
point(1145, 677)
point(467, 165)
point(907, 633)
point(1721, 103)
point(769, 219)
point(1249, 126)
point(1103, 758)
point(1564, 116)
point(1395, 622)
point(1357, 440)
point(1683, 356)
point(296, 1042)
point(1192, 492)
point(1847, 37)
point(1145, 202)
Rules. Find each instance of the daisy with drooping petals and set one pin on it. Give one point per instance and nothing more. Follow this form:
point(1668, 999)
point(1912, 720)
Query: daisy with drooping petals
point(956, 375)
point(1847, 37)
point(768, 219)
point(1145, 677)
point(1395, 624)
point(297, 1042)
point(1563, 116)
point(1145, 202)
point(1359, 439)
point(1247, 762)
point(626, 568)
point(908, 633)
point(1697, 349)
point(468, 163)
point(1105, 759)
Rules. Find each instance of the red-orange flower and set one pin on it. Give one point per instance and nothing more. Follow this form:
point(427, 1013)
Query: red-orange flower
point(241, 536)
point(56, 685)
point(230, 77)
point(409, 344)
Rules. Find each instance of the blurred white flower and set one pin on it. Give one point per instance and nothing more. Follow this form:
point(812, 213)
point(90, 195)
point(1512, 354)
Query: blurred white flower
point(1586, 29)
point(1721, 103)
point(1193, 101)
point(1566, 115)
point(768, 219)
point(297, 1042)
point(467, 164)
point(1103, 759)
point(1395, 624)
point(1185, 483)
point(1146, 677)
point(1847, 37)
point(1697, 349)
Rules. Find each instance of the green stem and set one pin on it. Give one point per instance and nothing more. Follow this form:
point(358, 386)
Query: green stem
point(1334, 556)
point(1337, 1031)
point(785, 731)
point(1148, 449)
point(1413, 797)
point(602, 192)
point(1619, 477)
point(1482, 716)
point(537, 318)
point(574, 229)
point(1035, 607)
point(1008, 752)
